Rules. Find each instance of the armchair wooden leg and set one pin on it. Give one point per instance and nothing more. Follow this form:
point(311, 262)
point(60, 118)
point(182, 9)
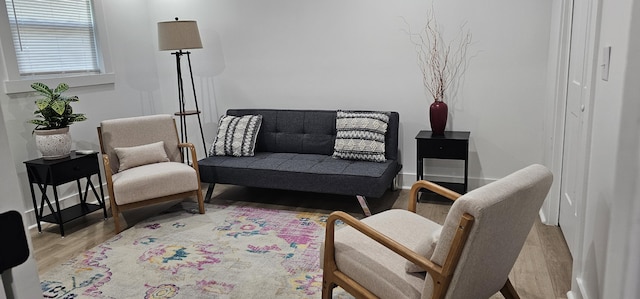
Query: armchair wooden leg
point(327, 289)
point(508, 291)
point(200, 201)
point(116, 220)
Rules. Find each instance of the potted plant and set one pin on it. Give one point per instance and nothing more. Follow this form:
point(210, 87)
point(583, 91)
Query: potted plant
point(53, 117)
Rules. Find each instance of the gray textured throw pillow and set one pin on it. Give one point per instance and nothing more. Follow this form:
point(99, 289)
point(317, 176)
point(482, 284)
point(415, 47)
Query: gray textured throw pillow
point(236, 136)
point(360, 135)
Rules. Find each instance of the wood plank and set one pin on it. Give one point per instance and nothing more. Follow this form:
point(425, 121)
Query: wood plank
point(543, 269)
point(530, 275)
point(557, 257)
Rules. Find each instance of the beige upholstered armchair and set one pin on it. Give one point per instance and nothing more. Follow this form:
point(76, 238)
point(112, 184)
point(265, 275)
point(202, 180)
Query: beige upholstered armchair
point(143, 163)
point(399, 254)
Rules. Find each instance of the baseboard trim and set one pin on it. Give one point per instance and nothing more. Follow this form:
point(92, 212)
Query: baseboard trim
point(65, 202)
point(580, 293)
point(582, 288)
point(543, 217)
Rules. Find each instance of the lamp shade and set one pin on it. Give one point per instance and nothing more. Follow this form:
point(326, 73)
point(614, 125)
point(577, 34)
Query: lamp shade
point(178, 35)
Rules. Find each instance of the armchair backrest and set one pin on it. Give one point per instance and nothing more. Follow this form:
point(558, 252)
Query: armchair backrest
point(504, 213)
point(140, 130)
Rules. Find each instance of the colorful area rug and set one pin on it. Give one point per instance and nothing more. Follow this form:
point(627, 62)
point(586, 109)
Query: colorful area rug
point(229, 252)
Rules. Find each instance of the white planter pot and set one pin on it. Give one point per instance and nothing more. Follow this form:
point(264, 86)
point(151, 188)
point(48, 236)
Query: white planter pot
point(53, 143)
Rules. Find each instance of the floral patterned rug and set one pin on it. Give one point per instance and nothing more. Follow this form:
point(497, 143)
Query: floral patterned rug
point(229, 252)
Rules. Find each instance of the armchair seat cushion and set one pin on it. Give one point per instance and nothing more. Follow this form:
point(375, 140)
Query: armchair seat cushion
point(377, 268)
point(152, 181)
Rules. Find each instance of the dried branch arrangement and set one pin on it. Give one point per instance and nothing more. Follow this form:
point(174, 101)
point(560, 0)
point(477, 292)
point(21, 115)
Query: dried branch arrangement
point(441, 62)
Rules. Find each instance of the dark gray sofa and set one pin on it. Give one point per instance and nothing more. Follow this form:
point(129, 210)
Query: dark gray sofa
point(294, 152)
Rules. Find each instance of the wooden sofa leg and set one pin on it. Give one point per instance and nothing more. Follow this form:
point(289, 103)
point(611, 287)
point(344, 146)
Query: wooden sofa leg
point(363, 203)
point(207, 197)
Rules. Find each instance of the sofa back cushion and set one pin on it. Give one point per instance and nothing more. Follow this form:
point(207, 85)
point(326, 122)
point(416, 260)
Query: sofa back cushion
point(307, 131)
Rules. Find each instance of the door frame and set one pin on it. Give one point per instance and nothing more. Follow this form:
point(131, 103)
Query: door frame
point(557, 80)
point(558, 68)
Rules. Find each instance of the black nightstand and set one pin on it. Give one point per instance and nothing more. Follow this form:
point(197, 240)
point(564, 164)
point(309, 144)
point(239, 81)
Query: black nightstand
point(452, 145)
point(45, 173)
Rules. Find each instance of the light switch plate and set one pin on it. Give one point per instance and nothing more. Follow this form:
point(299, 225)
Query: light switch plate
point(606, 58)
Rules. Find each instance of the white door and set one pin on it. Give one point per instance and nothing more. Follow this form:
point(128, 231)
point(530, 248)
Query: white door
point(577, 129)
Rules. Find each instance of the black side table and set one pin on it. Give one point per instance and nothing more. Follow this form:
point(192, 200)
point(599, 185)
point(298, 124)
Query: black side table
point(45, 173)
point(452, 145)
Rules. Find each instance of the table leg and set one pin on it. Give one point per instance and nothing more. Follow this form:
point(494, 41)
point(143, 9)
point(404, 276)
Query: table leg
point(61, 222)
point(82, 198)
point(35, 206)
point(466, 175)
point(101, 200)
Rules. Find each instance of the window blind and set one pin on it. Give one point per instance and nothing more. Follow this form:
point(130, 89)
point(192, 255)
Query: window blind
point(53, 36)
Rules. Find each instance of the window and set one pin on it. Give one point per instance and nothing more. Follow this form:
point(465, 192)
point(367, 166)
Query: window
point(53, 36)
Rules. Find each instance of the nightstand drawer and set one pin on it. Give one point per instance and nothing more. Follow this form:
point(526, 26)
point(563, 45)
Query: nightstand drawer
point(443, 149)
point(73, 169)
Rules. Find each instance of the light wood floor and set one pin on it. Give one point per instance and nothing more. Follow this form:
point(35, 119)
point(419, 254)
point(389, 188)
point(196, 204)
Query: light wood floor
point(543, 269)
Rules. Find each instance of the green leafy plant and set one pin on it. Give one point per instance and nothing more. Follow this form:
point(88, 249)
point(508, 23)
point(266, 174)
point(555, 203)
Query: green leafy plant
point(54, 109)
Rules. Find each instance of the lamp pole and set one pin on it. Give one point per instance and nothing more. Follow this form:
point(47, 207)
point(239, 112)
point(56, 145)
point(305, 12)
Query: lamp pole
point(179, 35)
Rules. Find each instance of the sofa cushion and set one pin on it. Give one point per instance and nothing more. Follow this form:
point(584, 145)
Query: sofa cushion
point(308, 131)
point(236, 136)
point(361, 135)
point(294, 131)
point(302, 172)
point(134, 156)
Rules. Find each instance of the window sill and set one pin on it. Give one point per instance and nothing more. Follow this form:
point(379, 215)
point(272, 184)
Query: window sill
point(24, 85)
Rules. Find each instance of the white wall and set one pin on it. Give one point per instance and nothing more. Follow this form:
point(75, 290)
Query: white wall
point(612, 192)
point(354, 55)
point(24, 283)
point(135, 92)
point(324, 55)
point(623, 262)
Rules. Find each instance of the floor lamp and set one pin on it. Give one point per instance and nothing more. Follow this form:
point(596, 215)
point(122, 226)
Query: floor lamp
point(178, 36)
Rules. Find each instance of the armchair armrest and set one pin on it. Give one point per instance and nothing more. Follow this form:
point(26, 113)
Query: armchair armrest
point(107, 167)
point(422, 184)
point(194, 158)
point(192, 150)
point(187, 144)
point(370, 232)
